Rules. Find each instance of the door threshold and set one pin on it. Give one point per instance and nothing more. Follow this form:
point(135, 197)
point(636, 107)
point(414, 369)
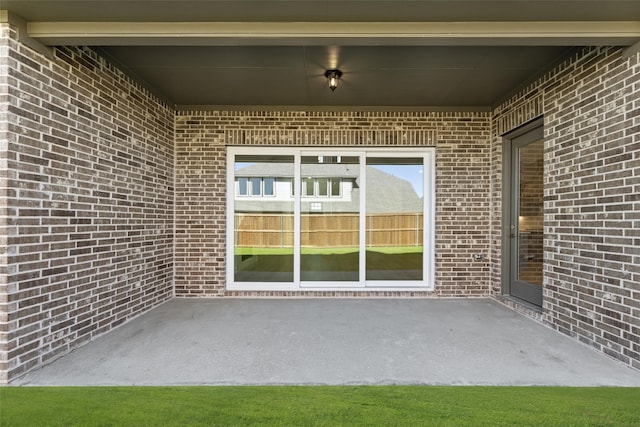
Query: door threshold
point(523, 307)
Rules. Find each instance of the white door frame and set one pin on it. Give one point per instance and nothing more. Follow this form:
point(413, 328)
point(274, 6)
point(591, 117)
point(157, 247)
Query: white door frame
point(427, 282)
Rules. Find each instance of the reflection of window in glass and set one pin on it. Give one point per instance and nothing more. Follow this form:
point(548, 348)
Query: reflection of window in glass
point(243, 186)
point(323, 187)
point(254, 188)
point(307, 187)
point(268, 188)
point(335, 188)
point(329, 159)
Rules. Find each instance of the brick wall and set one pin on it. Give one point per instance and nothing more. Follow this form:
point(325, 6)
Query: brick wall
point(88, 197)
point(4, 141)
point(591, 108)
point(462, 187)
point(88, 162)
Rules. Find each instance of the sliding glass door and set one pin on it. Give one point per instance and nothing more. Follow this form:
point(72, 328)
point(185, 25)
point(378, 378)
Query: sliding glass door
point(262, 221)
point(326, 219)
point(395, 219)
point(329, 219)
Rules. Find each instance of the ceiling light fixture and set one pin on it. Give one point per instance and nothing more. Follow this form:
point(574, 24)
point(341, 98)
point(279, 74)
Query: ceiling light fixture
point(332, 78)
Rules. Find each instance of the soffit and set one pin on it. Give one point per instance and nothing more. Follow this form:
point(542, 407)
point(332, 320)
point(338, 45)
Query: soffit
point(445, 54)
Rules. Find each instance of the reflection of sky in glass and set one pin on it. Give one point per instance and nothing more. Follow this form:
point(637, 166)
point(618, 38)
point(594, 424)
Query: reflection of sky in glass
point(414, 174)
point(240, 165)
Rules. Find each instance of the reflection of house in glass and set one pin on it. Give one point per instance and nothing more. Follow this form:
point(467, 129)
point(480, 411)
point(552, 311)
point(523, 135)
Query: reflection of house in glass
point(334, 183)
point(330, 202)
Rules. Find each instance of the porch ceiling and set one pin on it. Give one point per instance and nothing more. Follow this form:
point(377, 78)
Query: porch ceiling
point(451, 54)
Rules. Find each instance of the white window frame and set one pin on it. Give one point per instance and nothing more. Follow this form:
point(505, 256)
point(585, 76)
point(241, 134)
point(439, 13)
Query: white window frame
point(428, 281)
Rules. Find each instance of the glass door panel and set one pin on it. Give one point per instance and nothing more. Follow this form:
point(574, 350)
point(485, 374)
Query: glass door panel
point(525, 210)
point(530, 217)
point(263, 218)
point(394, 219)
point(329, 218)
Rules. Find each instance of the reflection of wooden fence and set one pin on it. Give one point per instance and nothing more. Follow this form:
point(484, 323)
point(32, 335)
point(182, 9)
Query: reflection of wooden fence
point(402, 229)
point(264, 230)
point(322, 230)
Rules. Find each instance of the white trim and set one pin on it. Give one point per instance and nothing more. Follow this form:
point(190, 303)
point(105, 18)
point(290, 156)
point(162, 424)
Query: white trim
point(230, 223)
point(429, 221)
point(421, 33)
point(428, 281)
point(326, 285)
point(393, 286)
point(297, 206)
point(362, 267)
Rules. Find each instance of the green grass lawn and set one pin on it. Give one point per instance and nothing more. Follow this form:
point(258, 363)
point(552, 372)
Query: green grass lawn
point(319, 406)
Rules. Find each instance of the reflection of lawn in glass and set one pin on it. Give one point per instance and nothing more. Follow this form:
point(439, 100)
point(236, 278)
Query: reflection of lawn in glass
point(383, 263)
point(328, 251)
point(394, 263)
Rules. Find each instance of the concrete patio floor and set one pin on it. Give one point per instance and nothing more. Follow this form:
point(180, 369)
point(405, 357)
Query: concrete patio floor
point(333, 341)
